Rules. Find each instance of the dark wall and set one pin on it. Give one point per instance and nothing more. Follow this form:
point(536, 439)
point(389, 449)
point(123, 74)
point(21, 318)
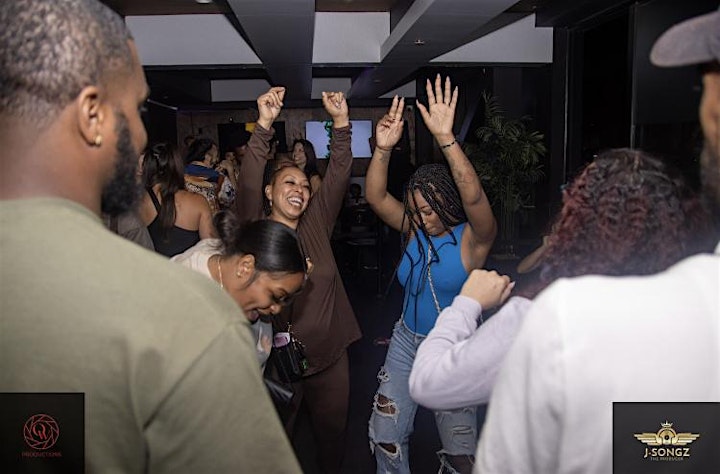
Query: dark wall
point(160, 123)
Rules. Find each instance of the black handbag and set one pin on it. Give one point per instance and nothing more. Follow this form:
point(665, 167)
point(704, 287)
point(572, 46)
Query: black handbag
point(288, 356)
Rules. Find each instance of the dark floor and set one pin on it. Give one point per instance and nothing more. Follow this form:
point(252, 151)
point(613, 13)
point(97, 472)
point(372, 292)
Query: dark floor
point(376, 312)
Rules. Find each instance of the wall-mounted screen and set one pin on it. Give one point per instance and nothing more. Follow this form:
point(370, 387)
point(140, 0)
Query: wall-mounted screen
point(318, 133)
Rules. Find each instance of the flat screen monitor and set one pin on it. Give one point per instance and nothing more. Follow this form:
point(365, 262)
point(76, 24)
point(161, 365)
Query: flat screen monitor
point(318, 133)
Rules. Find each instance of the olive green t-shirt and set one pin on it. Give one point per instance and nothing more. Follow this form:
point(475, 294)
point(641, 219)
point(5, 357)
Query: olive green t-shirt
point(165, 359)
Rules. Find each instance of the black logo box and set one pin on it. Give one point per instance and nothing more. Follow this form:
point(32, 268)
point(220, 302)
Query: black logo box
point(67, 455)
point(701, 418)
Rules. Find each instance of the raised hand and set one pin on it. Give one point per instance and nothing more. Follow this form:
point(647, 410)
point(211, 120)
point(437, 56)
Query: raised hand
point(269, 105)
point(336, 105)
point(440, 113)
point(389, 128)
point(487, 288)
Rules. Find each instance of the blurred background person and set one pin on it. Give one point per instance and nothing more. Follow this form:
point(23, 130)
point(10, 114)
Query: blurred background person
point(176, 219)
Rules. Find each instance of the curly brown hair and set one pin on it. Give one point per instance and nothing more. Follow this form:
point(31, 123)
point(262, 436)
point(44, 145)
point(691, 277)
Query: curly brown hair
point(627, 213)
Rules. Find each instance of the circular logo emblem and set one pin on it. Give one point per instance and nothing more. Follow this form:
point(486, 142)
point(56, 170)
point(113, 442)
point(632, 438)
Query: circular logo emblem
point(41, 432)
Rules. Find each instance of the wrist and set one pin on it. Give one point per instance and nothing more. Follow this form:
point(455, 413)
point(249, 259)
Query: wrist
point(444, 138)
point(383, 149)
point(341, 123)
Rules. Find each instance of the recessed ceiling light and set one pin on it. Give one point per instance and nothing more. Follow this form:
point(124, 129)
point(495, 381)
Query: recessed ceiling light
point(203, 1)
point(419, 42)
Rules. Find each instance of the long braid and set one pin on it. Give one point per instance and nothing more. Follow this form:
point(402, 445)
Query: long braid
point(437, 186)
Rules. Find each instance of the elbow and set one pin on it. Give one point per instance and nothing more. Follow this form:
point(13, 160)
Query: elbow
point(421, 390)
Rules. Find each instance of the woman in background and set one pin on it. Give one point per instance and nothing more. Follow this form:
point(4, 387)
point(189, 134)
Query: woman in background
point(200, 174)
point(260, 265)
point(303, 155)
point(176, 219)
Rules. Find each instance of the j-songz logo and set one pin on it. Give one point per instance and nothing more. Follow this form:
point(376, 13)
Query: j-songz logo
point(667, 444)
point(41, 432)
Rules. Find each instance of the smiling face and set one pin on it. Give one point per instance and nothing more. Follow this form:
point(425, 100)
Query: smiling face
point(298, 155)
point(288, 193)
point(423, 214)
point(266, 293)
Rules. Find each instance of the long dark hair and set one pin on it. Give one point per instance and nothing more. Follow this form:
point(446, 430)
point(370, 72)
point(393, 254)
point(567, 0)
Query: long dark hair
point(311, 167)
point(274, 245)
point(161, 165)
point(627, 213)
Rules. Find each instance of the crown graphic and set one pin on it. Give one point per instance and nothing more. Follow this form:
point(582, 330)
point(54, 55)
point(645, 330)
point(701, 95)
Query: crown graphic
point(666, 424)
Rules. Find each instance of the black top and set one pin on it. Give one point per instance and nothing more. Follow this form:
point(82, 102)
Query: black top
point(176, 240)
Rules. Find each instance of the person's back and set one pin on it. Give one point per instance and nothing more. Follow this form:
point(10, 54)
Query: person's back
point(193, 219)
point(593, 342)
point(162, 355)
point(163, 361)
point(176, 219)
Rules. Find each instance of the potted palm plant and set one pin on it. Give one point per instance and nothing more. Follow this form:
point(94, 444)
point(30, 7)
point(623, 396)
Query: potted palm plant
point(507, 159)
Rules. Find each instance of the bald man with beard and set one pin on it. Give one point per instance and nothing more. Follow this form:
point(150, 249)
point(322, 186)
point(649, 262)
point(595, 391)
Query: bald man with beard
point(163, 356)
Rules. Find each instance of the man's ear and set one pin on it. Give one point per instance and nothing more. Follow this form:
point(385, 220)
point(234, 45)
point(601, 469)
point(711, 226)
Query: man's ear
point(268, 192)
point(90, 115)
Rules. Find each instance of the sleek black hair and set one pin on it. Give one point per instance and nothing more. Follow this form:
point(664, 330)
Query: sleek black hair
point(197, 150)
point(50, 50)
point(274, 245)
point(162, 165)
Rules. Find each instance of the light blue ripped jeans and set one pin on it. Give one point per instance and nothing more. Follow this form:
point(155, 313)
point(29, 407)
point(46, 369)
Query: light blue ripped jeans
point(391, 421)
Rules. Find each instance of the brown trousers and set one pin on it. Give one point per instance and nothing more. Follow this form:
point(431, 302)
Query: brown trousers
point(326, 396)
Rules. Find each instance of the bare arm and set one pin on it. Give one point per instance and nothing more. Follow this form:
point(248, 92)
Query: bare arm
point(387, 133)
point(206, 228)
point(439, 118)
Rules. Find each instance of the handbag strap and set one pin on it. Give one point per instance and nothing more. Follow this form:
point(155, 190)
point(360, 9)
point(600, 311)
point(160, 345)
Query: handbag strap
point(432, 286)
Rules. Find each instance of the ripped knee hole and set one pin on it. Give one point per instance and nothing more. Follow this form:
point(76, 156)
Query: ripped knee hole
point(385, 405)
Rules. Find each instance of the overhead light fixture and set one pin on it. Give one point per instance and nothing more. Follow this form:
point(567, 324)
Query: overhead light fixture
point(203, 2)
point(419, 42)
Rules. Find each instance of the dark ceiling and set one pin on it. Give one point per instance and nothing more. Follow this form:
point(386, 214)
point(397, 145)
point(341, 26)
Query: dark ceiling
point(280, 32)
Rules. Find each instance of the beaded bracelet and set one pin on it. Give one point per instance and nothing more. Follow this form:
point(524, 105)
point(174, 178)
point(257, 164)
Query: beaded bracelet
point(442, 147)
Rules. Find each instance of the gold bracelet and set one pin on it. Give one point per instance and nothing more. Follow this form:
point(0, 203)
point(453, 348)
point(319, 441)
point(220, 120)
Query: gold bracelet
point(442, 147)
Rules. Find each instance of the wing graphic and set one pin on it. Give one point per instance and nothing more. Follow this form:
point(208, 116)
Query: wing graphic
point(651, 439)
point(685, 438)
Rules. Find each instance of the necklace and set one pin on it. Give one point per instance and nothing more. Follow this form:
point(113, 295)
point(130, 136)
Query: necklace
point(220, 273)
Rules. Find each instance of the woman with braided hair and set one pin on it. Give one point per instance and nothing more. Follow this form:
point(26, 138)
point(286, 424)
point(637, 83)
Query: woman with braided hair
point(448, 229)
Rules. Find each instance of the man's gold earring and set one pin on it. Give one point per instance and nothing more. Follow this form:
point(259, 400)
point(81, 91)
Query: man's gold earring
point(98, 140)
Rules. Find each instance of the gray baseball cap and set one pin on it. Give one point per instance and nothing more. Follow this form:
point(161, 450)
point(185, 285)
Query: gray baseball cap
point(694, 41)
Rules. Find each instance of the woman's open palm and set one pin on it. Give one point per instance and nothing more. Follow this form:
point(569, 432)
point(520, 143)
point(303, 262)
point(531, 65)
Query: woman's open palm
point(440, 113)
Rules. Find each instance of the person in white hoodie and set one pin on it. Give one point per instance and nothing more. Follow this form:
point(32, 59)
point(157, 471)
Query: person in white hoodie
point(627, 213)
point(590, 343)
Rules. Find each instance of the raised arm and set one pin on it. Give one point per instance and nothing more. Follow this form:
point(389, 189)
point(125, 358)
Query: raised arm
point(326, 203)
point(387, 133)
point(249, 186)
point(439, 117)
